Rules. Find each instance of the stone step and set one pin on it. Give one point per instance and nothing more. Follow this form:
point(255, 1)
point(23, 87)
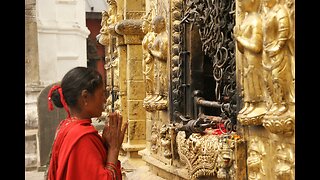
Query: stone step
point(31, 145)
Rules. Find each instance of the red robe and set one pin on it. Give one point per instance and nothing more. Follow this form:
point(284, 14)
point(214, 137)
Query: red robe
point(78, 153)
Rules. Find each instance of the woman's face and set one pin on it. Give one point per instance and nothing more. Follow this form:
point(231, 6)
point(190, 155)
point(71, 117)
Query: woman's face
point(96, 101)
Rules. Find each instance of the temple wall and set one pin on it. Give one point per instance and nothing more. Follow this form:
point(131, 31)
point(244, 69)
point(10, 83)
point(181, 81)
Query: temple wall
point(207, 87)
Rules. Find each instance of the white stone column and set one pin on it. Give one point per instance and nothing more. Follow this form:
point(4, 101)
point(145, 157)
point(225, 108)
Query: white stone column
point(62, 34)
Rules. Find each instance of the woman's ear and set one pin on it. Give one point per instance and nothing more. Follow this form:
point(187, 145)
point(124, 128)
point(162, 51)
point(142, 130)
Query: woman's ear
point(85, 96)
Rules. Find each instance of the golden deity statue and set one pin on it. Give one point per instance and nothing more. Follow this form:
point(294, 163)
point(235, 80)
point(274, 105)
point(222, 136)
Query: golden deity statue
point(249, 40)
point(276, 59)
point(148, 59)
point(159, 51)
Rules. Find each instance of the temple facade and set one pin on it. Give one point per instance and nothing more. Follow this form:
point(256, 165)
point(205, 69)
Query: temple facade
point(207, 86)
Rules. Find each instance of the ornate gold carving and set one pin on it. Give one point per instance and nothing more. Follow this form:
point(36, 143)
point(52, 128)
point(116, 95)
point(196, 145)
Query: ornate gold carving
point(159, 52)
point(278, 63)
point(112, 12)
point(285, 162)
point(207, 155)
point(165, 139)
point(104, 34)
point(176, 48)
point(265, 40)
point(256, 151)
point(154, 138)
point(148, 60)
point(248, 36)
point(226, 159)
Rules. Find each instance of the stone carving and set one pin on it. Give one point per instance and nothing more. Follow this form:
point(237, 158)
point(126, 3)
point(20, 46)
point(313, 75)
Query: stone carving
point(112, 12)
point(285, 162)
point(255, 166)
point(207, 155)
point(249, 40)
point(226, 159)
point(154, 138)
point(159, 52)
point(148, 60)
point(176, 61)
point(165, 139)
point(104, 34)
point(278, 63)
point(107, 22)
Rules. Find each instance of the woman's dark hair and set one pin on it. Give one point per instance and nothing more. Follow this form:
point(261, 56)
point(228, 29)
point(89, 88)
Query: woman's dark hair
point(74, 82)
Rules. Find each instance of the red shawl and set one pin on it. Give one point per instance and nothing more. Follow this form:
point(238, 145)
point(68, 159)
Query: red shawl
point(79, 154)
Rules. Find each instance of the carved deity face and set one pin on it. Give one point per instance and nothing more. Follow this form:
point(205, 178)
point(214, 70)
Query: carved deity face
point(145, 26)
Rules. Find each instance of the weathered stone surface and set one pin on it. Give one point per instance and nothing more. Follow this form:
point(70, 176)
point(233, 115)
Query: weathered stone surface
point(48, 122)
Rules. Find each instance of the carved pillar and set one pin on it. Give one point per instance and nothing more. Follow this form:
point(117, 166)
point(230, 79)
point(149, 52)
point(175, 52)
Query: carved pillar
point(122, 53)
point(131, 51)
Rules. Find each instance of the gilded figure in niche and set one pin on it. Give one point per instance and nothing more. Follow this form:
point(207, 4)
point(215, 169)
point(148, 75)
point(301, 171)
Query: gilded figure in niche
point(249, 40)
point(256, 152)
point(148, 59)
point(277, 60)
point(159, 51)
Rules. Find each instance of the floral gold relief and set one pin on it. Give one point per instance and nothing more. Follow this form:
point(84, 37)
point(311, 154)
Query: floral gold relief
point(208, 155)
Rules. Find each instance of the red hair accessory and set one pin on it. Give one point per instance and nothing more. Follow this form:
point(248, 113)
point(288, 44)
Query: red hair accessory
point(50, 105)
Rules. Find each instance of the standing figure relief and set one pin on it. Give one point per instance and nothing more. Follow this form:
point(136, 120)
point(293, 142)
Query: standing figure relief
point(249, 41)
point(148, 60)
point(276, 59)
point(158, 49)
point(278, 63)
